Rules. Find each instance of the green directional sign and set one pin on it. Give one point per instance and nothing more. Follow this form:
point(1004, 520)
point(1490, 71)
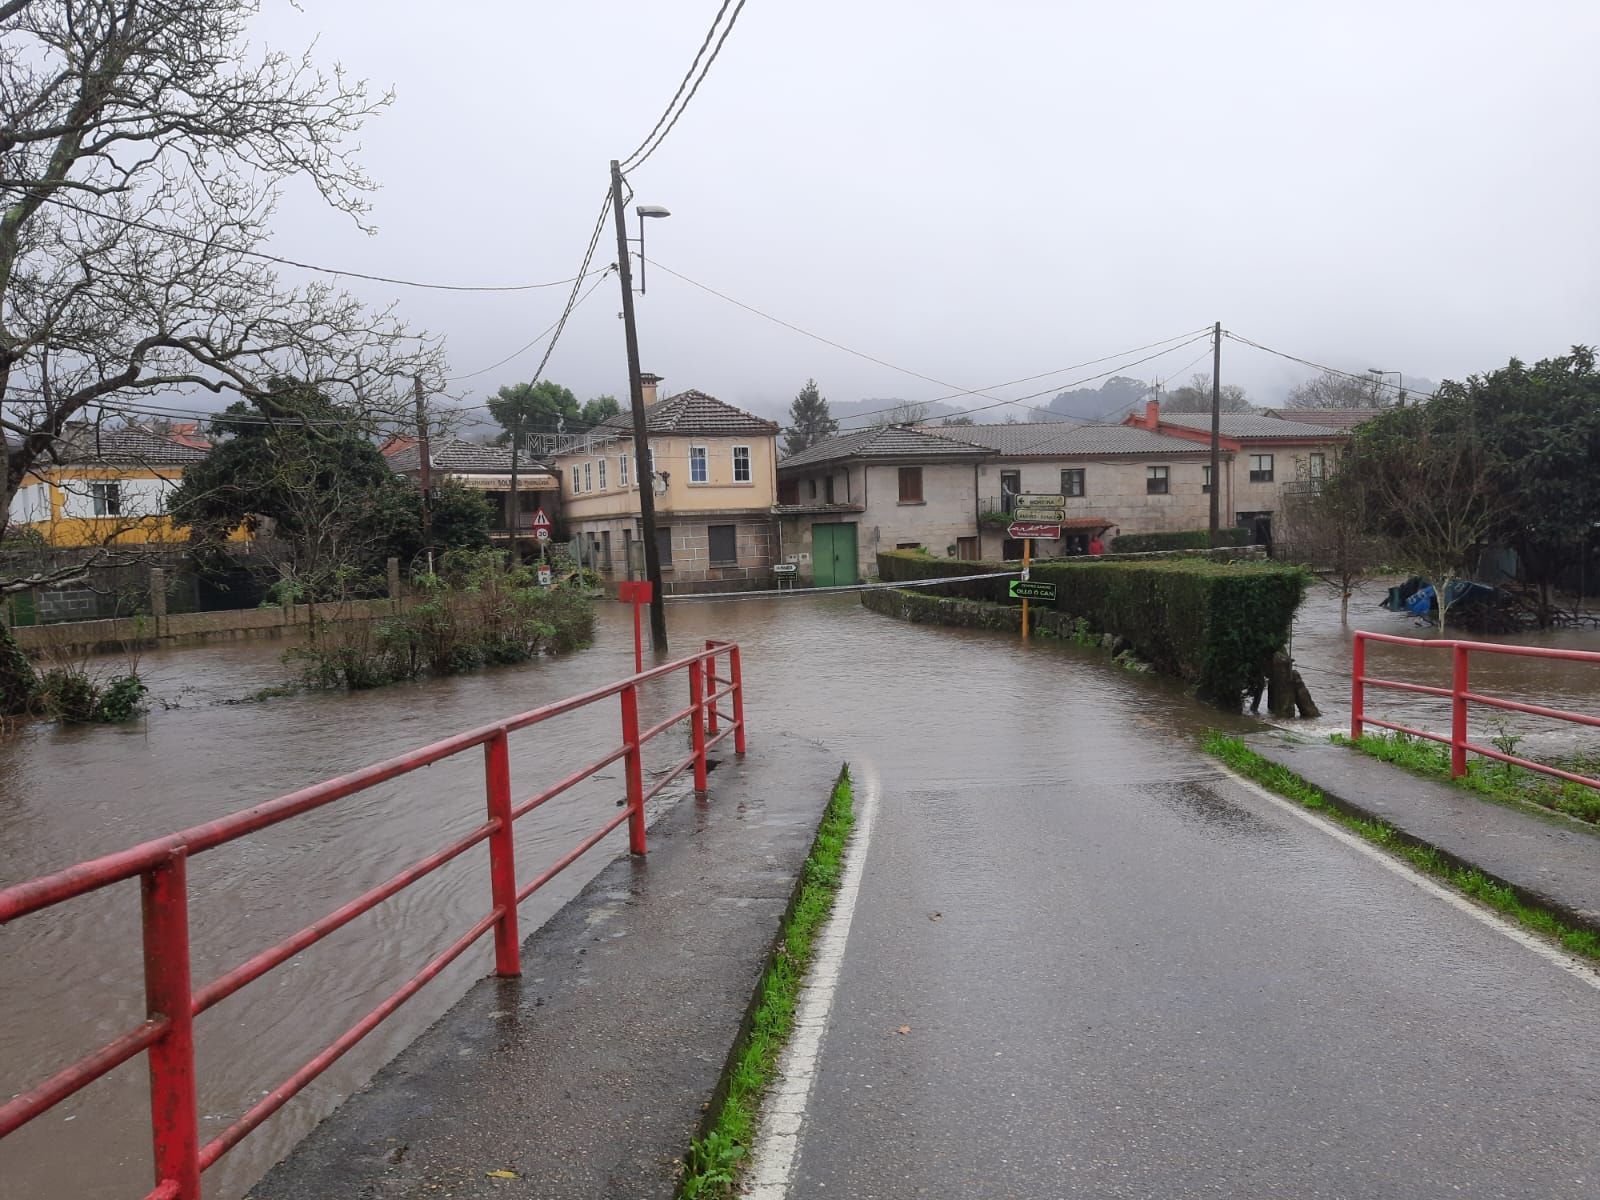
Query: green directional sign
point(1032, 591)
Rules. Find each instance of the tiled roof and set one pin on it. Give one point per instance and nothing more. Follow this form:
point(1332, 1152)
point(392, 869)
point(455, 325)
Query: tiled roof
point(463, 458)
point(693, 413)
point(1330, 418)
point(1088, 441)
point(883, 441)
point(1249, 426)
point(1021, 440)
point(129, 444)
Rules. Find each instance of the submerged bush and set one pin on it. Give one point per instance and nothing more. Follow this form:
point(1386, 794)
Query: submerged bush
point(71, 694)
point(474, 612)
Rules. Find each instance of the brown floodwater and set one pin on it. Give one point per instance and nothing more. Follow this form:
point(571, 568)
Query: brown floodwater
point(820, 667)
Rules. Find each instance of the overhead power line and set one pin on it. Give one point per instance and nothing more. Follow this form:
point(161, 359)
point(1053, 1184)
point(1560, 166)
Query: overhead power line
point(521, 350)
point(197, 240)
point(960, 391)
point(1367, 378)
point(669, 117)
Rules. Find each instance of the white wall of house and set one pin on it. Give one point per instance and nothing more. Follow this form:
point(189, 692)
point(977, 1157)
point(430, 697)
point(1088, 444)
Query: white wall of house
point(1117, 489)
point(30, 504)
point(136, 497)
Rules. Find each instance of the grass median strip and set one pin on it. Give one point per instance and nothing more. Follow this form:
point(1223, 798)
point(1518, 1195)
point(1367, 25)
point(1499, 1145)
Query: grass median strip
point(1467, 880)
point(1491, 778)
point(711, 1166)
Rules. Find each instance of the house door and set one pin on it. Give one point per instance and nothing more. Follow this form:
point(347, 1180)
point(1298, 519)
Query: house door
point(967, 549)
point(833, 554)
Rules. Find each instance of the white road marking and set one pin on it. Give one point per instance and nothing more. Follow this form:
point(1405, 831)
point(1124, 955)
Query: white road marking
point(1551, 954)
point(783, 1111)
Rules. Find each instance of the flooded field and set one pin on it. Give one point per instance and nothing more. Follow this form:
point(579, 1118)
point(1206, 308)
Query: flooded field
point(821, 668)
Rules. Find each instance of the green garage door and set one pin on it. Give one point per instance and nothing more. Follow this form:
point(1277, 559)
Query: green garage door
point(833, 554)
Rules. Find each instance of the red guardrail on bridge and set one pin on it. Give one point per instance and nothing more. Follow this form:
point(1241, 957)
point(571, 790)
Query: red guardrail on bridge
point(1460, 696)
point(172, 1002)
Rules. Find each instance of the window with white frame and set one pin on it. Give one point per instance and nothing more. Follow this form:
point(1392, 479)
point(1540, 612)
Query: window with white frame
point(588, 477)
point(107, 498)
point(1318, 464)
point(699, 464)
point(1205, 478)
point(602, 464)
point(1261, 468)
point(622, 470)
point(741, 464)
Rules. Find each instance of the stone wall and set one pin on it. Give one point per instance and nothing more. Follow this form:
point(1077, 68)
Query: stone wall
point(187, 629)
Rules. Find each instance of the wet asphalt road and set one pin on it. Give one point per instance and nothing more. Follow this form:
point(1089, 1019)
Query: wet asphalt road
point(1146, 981)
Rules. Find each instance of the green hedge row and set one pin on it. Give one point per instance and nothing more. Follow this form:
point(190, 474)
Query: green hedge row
point(1211, 623)
point(1189, 539)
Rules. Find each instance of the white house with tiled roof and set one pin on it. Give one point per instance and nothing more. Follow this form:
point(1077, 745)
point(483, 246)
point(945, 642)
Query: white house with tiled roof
point(485, 469)
point(714, 480)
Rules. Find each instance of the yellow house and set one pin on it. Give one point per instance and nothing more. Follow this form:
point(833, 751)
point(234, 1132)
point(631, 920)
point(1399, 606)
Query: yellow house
point(108, 486)
point(714, 478)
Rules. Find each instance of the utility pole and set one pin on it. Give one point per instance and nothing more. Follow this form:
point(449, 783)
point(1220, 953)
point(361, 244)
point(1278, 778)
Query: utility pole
point(514, 503)
point(641, 434)
point(1216, 434)
point(427, 471)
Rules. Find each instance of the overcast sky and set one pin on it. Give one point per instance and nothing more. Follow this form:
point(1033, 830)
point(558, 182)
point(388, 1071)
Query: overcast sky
point(979, 192)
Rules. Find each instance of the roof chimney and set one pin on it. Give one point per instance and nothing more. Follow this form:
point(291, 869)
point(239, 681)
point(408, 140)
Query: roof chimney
point(647, 386)
point(1152, 414)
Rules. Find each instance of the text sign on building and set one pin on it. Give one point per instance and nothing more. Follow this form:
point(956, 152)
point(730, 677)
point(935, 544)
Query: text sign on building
point(1046, 510)
point(1032, 529)
point(1021, 590)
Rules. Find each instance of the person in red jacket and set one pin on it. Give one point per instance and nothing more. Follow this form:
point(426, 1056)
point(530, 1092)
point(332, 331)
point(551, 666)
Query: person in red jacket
point(1096, 546)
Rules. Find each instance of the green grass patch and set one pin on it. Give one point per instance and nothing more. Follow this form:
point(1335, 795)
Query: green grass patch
point(1505, 782)
point(711, 1167)
point(1467, 880)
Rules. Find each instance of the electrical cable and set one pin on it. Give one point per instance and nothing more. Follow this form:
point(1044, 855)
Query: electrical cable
point(683, 83)
point(817, 337)
point(1368, 378)
point(1121, 408)
point(603, 272)
point(638, 160)
point(135, 223)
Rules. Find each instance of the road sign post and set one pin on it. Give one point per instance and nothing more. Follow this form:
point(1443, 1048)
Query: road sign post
point(1027, 556)
point(1025, 590)
point(638, 593)
point(1034, 507)
point(1022, 530)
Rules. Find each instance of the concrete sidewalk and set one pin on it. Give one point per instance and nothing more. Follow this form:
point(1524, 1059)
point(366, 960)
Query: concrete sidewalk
point(1550, 860)
point(588, 1076)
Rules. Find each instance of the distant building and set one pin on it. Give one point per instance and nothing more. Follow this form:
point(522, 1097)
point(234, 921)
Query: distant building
point(713, 476)
point(486, 469)
point(109, 486)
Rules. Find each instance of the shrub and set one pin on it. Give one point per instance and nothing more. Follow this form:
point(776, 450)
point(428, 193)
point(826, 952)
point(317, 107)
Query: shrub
point(1190, 539)
point(18, 683)
point(69, 694)
point(1214, 624)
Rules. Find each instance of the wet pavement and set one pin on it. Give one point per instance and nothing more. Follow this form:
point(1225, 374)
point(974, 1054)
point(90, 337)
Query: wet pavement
point(1145, 980)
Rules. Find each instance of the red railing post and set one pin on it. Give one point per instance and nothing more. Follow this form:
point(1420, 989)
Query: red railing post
point(1358, 673)
point(174, 1118)
point(634, 769)
point(697, 727)
point(711, 689)
point(1458, 711)
point(737, 683)
point(502, 856)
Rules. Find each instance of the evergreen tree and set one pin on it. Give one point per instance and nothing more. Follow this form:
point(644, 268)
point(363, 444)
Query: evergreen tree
point(812, 422)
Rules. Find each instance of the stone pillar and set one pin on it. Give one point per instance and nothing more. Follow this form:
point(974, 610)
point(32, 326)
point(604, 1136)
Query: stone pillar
point(394, 581)
point(158, 600)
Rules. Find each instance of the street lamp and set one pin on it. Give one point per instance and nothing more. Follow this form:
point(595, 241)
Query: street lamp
point(641, 434)
point(1400, 382)
point(646, 210)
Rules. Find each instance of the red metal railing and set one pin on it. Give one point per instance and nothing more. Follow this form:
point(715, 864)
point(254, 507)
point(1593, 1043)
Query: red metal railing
point(1460, 697)
point(172, 1002)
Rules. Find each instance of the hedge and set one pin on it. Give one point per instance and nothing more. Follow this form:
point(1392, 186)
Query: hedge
point(1190, 539)
point(1214, 624)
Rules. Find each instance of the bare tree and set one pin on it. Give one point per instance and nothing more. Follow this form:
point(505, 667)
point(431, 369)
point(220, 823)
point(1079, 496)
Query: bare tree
point(907, 412)
point(1195, 396)
point(143, 144)
point(1325, 524)
point(1333, 389)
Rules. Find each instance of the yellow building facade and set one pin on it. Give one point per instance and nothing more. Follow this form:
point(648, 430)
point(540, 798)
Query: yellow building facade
point(714, 479)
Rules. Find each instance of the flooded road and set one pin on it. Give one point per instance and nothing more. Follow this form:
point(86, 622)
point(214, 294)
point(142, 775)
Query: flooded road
point(975, 710)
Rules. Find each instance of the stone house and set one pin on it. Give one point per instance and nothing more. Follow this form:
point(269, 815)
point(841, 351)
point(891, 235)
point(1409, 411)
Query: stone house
point(884, 488)
point(1266, 456)
point(713, 475)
